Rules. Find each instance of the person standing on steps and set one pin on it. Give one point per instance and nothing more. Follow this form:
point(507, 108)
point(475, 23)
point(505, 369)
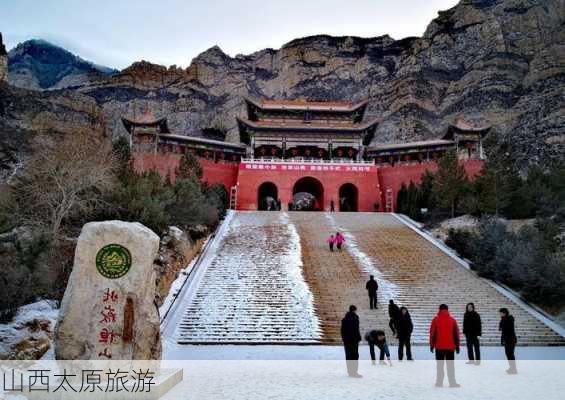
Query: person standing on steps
point(508, 339)
point(331, 241)
point(394, 315)
point(372, 286)
point(332, 206)
point(339, 240)
point(472, 329)
point(404, 332)
point(444, 339)
point(351, 337)
point(377, 338)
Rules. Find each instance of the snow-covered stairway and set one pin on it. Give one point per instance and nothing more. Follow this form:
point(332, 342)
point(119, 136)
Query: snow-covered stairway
point(252, 290)
point(423, 276)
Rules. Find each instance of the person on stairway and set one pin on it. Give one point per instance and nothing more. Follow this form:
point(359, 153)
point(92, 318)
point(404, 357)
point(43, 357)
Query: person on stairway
point(508, 339)
point(394, 315)
point(444, 339)
point(372, 286)
point(339, 240)
point(331, 241)
point(332, 206)
point(472, 329)
point(351, 337)
point(377, 338)
point(404, 332)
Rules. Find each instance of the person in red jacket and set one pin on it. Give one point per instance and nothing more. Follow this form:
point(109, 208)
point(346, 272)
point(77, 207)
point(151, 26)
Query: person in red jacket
point(444, 339)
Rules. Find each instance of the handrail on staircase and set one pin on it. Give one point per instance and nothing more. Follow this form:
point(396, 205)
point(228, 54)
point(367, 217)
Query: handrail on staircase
point(189, 273)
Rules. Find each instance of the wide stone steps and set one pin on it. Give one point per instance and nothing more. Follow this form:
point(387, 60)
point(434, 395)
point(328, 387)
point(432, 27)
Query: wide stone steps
point(253, 290)
point(273, 280)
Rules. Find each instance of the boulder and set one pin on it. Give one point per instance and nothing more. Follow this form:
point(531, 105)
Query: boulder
point(108, 310)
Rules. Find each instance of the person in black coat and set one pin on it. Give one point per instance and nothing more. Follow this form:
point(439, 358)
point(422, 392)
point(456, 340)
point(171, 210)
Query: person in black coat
point(472, 329)
point(394, 315)
point(372, 286)
point(351, 337)
point(404, 331)
point(508, 338)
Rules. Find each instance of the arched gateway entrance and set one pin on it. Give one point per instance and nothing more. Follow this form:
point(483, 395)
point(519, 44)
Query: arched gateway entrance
point(267, 197)
point(308, 195)
point(348, 197)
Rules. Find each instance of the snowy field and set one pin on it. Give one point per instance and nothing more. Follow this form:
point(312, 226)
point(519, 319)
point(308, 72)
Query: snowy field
point(318, 372)
point(285, 379)
point(172, 351)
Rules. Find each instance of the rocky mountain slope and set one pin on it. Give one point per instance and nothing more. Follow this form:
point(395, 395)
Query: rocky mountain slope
point(37, 64)
point(501, 61)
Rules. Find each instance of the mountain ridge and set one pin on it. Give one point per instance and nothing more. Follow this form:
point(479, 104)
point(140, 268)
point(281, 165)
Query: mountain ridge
point(495, 61)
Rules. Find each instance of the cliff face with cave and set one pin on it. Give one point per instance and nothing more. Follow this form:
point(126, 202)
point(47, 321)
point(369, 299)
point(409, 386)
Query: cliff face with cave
point(501, 61)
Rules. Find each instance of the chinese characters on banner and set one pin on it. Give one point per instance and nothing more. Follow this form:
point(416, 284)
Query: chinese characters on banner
point(305, 167)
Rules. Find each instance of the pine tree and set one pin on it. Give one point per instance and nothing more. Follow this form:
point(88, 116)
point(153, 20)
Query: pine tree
point(498, 181)
point(450, 182)
point(189, 167)
point(401, 199)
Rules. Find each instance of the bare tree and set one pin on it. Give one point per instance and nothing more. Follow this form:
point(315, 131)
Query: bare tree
point(65, 178)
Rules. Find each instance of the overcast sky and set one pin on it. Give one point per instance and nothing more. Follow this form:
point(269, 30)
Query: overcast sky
point(116, 33)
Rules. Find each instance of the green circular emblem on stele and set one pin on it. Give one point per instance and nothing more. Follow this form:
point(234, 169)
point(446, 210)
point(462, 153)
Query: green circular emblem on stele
point(113, 261)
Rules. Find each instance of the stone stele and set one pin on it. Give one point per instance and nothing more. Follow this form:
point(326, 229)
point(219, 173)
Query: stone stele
point(109, 310)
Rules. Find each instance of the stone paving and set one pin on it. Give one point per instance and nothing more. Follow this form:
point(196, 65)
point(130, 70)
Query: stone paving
point(416, 274)
point(274, 280)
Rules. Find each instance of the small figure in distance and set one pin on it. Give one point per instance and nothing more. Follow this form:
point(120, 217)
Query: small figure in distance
point(508, 339)
point(351, 337)
point(339, 240)
point(404, 332)
point(394, 315)
point(472, 329)
point(377, 338)
point(372, 286)
point(331, 241)
point(444, 339)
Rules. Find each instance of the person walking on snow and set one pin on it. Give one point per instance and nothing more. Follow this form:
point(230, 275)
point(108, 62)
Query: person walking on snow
point(331, 241)
point(351, 337)
point(404, 332)
point(377, 338)
point(472, 329)
point(444, 339)
point(372, 286)
point(394, 315)
point(508, 339)
point(339, 240)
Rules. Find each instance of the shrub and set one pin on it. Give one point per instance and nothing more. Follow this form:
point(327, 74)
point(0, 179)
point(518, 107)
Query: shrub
point(462, 241)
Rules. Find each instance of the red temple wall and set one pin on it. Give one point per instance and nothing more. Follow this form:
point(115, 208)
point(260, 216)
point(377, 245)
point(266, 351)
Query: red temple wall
point(394, 176)
point(249, 181)
point(371, 185)
point(166, 164)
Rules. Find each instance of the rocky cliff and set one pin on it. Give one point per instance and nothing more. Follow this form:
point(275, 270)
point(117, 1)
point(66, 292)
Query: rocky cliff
point(501, 61)
point(3, 62)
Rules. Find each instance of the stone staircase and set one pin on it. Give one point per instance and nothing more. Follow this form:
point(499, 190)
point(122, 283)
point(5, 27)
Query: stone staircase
point(273, 280)
point(253, 290)
point(424, 276)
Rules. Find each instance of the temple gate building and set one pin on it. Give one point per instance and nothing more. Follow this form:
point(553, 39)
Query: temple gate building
point(296, 154)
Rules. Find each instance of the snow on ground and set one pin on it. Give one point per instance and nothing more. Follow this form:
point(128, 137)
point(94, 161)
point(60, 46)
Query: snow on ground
point(17, 330)
point(239, 372)
point(324, 352)
point(387, 289)
point(243, 294)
